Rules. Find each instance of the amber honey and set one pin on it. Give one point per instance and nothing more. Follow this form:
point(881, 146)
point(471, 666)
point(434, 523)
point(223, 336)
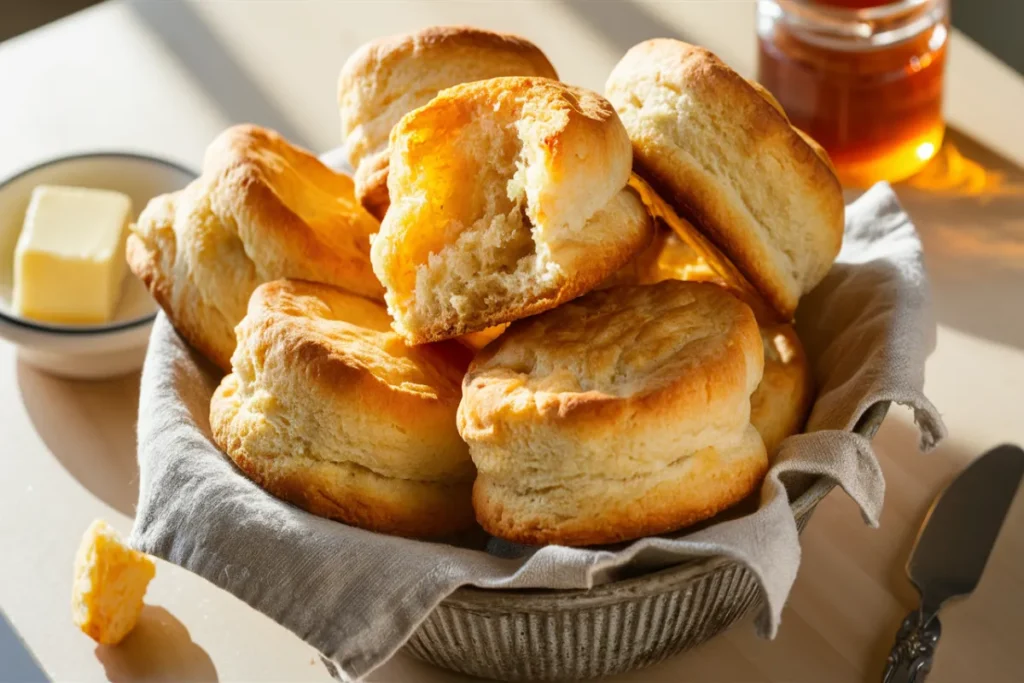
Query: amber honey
point(864, 81)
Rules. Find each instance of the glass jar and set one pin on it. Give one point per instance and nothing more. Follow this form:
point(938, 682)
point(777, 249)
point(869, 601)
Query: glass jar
point(865, 82)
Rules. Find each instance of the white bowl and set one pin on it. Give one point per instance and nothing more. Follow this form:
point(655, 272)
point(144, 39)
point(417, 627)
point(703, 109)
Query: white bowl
point(84, 351)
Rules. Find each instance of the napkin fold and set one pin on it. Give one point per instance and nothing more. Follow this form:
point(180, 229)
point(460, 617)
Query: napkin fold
point(357, 596)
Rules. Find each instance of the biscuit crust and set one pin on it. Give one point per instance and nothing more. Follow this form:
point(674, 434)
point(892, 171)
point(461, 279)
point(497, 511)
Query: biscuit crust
point(691, 490)
point(387, 78)
point(329, 409)
point(262, 209)
point(546, 218)
point(620, 414)
point(779, 406)
point(781, 402)
point(726, 156)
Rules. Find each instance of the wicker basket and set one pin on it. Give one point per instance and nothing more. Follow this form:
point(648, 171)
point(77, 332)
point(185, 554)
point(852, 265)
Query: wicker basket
point(610, 629)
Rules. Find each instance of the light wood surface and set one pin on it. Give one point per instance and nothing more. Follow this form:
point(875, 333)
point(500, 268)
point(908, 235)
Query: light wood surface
point(165, 77)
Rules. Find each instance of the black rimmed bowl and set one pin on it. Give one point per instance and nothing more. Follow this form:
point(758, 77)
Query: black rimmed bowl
point(84, 351)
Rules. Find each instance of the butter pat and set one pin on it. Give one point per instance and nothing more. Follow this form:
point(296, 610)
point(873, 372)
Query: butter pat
point(69, 261)
point(110, 583)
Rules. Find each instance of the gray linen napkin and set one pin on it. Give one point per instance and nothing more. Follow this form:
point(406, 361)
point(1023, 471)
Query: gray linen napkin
point(358, 596)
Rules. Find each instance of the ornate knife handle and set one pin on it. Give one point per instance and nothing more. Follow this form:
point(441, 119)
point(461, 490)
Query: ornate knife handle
point(911, 656)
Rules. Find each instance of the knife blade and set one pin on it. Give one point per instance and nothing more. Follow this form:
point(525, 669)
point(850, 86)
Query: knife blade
point(950, 553)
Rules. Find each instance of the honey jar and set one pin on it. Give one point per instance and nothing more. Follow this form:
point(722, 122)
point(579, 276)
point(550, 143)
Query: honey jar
point(862, 78)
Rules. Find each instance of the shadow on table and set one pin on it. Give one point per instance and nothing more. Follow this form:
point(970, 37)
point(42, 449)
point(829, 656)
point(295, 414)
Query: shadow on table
point(90, 428)
point(968, 205)
point(182, 30)
point(405, 667)
point(918, 478)
point(159, 649)
point(987, 653)
point(622, 23)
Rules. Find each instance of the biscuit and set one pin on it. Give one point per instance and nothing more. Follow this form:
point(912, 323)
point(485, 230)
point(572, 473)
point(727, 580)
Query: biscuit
point(508, 197)
point(261, 210)
point(642, 269)
point(779, 405)
point(110, 582)
point(621, 414)
point(725, 155)
point(330, 410)
point(387, 78)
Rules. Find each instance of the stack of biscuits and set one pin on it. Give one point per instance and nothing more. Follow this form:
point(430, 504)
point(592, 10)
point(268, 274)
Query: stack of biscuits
point(561, 315)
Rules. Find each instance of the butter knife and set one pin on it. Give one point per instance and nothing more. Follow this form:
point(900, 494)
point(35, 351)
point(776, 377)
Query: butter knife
point(950, 553)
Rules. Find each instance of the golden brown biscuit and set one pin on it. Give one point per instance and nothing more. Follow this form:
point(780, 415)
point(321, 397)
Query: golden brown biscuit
point(261, 210)
point(642, 268)
point(508, 198)
point(387, 78)
point(779, 405)
point(725, 156)
point(782, 399)
point(621, 414)
point(328, 409)
point(110, 583)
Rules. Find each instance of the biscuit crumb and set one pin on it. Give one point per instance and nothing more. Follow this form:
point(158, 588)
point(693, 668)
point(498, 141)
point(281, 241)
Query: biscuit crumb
point(110, 582)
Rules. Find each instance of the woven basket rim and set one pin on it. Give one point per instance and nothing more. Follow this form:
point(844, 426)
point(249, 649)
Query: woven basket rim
point(471, 598)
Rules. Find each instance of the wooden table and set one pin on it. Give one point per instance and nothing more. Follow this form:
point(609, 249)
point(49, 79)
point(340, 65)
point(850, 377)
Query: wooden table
point(164, 78)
